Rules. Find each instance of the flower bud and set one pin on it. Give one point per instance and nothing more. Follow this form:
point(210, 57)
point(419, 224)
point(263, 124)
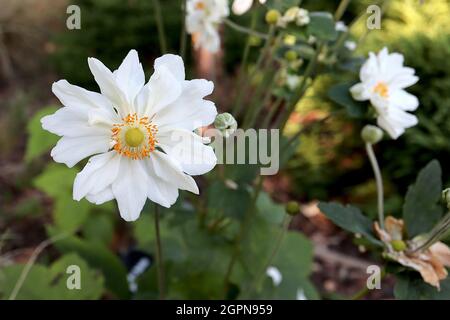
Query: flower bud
point(292, 208)
point(398, 245)
point(226, 124)
point(446, 197)
point(272, 16)
point(291, 55)
point(255, 41)
point(371, 134)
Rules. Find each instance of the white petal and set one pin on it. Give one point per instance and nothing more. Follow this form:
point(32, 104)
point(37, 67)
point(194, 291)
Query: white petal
point(188, 149)
point(98, 174)
point(393, 130)
point(161, 90)
point(369, 69)
point(360, 92)
point(275, 275)
point(78, 98)
point(170, 171)
point(72, 150)
point(108, 86)
point(161, 192)
point(101, 197)
point(130, 76)
point(130, 189)
point(403, 100)
point(173, 63)
point(241, 6)
point(189, 111)
point(72, 123)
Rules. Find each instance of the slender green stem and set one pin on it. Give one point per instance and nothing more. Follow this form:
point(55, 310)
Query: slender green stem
point(237, 243)
point(302, 87)
point(270, 114)
point(260, 61)
point(159, 257)
point(379, 182)
point(160, 26)
point(439, 230)
point(260, 276)
point(237, 27)
point(341, 9)
point(243, 67)
point(183, 38)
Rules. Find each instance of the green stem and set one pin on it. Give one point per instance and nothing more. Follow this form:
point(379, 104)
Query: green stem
point(379, 182)
point(341, 9)
point(237, 243)
point(159, 257)
point(183, 38)
point(259, 278)
point(242, 29)
point(270, 114)
point(160, 26)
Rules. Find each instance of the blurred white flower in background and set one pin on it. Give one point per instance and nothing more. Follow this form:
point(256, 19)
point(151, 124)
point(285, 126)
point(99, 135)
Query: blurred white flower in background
point(203, 18)
point(341, 26)
point(242, 6)
point(275, 275)
point(383, 80)
point(350, 45)
point(140, 136)
point(295, 14)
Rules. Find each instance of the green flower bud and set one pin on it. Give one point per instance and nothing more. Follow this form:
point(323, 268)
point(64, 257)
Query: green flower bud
point(272, 16)
point(289, 40)
point(226, 124)
point(255, 41)
point(292, 208)
point(371, 134)
point(291, 55)
point(398, 245)
point(446, 197)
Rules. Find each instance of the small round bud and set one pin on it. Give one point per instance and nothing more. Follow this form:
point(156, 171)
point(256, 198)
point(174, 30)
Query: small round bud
point(254, 41)
point(290, 40)
point(226, 124)
point(446, 197)
point(291, 55)
point(292, 208)
point(398, 245)
point(272, 16)
point(371, 134)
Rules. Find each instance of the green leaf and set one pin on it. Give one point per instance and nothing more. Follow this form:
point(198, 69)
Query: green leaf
point(99, 228)
point(409, 286)
point(269, 210)
point(349, 218)
point(340, 94)
point(39, 140)
point(421, 210)
point(51, 283)
point(100, 257)
point(282, 5)
point(227, 201)
point(57, 181)
point(322, 26)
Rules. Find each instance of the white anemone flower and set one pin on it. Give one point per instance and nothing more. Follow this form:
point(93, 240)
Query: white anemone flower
point(242, 6)
point(202, 21)
point(139, 136)
point(383, 80)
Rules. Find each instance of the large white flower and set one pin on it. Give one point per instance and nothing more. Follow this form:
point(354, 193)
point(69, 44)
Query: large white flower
point(140, 136)
point(242, 6)
point(202, 21)
point(383, 80)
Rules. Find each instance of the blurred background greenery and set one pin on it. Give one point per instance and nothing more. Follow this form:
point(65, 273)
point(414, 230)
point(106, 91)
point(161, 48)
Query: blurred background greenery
point(36, 49)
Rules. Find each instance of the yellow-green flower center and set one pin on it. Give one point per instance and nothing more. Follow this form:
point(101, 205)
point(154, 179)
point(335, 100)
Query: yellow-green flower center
point(134, 137)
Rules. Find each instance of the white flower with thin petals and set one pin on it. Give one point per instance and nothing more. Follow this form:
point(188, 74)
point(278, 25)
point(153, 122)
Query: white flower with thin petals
point(242, 6)
point(202, 21)
point(383, 80)
point(139, 136)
